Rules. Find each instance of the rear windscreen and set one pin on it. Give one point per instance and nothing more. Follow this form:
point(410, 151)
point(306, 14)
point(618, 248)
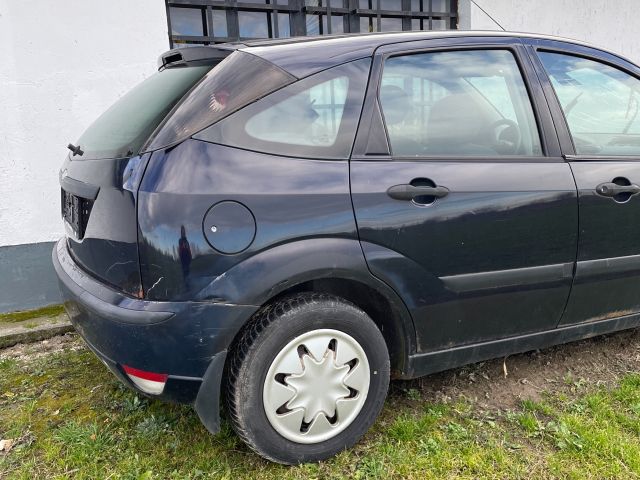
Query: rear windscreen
point(124, 127)
point(238, 80)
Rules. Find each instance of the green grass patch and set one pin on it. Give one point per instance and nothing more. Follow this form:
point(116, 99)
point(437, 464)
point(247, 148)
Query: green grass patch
point(50, 311)
point(72, 419)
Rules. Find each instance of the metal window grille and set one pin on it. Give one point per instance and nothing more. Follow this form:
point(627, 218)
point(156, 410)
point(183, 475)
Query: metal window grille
point(215, 21)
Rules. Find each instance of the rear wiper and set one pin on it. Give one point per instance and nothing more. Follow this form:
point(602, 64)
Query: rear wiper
point(75, 150)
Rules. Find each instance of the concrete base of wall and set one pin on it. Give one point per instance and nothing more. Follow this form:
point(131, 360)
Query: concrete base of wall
point(27, 278)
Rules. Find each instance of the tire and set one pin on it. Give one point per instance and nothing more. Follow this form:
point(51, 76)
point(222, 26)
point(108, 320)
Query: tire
point(352, 390)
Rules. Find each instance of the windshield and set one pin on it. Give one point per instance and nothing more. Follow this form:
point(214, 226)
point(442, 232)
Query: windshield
point(124, 127)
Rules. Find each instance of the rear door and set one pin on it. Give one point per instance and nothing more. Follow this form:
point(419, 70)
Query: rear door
point(463, 202)
point(596, 100)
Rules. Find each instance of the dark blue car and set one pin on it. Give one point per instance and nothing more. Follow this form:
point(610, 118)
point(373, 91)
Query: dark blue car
point(288, 224)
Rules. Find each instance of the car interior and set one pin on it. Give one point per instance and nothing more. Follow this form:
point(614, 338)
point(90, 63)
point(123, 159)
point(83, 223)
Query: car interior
point(457, 111)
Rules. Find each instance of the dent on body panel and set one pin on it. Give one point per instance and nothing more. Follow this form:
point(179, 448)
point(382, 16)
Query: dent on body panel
point(290, 198)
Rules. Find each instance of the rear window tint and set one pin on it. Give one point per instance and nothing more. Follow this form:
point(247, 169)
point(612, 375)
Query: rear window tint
point(122, 129)
point(237, 80)
point(316, 117)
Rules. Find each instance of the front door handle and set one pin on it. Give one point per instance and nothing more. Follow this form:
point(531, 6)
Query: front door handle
point(610, 189)
point(410, 192)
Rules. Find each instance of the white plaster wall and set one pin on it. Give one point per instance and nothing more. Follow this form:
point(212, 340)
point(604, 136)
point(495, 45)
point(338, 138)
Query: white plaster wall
point(62, 63)
point(609, 24)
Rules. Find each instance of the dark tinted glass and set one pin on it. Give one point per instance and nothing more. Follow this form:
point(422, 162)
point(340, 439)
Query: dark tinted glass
point(439, 24)
point(229, 86)
point(326, 3)
point(440, 6)
point(389, 24)
point(284, 29)
point(284, 18)
point(367, 24)
point(316, 117)
point(337, 24)
point(219, 23)
point(313, 24)
point(186, 21)
point(123, 129)
point(253, 24)
point(391, 5)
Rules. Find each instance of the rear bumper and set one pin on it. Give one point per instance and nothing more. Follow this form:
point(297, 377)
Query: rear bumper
point(186, 340)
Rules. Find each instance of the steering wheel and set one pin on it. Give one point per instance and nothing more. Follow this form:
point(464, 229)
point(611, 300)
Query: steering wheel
point(506, 140)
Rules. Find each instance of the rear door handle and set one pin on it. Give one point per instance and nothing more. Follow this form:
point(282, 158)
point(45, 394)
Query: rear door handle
point(409, 192)
point(610, 189)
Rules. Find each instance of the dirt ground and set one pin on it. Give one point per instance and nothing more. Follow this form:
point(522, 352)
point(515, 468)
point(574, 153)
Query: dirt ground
point(31, 351)
point(504, 382)
point(495, 384)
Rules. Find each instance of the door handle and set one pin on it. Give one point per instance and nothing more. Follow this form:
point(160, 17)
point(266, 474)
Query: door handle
point(610, 189)
point(410, 192)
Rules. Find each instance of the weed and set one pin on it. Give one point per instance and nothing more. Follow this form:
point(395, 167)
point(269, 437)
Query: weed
point(72, 419)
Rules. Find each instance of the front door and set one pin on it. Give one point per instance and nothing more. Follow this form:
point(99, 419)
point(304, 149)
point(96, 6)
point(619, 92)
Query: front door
point(598, 96)
point(472, 215)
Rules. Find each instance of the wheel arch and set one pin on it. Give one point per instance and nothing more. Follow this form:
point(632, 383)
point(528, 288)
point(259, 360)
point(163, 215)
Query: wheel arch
point(395, 325)
point(324, 265)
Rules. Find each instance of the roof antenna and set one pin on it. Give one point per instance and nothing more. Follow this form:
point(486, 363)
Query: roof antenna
point(487, 14)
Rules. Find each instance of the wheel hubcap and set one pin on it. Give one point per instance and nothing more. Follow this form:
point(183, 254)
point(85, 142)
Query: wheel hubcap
point(316, 386)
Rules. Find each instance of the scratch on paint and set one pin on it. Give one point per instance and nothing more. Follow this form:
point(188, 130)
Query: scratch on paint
point(152, 286)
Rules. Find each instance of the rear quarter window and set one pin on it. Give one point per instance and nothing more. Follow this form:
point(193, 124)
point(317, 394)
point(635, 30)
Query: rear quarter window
point(316, 117)
point(236, 81)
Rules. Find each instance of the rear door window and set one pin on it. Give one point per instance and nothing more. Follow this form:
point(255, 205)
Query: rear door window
point(465, 103)
point(315, 117)
point(600, 103)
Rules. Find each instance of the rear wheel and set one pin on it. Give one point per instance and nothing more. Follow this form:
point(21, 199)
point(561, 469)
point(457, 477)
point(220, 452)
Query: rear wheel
point(307, 378)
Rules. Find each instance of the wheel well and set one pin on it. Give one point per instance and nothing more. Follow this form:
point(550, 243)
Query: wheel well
point(372, 302)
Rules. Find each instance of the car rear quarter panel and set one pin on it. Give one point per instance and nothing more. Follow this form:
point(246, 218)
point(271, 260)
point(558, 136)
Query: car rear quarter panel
point(290, 198)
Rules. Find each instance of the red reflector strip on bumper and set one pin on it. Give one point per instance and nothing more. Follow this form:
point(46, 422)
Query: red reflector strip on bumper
point(154, 377)
point(148, 382)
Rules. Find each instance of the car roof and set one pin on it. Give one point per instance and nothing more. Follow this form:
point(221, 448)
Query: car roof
point(302, 56)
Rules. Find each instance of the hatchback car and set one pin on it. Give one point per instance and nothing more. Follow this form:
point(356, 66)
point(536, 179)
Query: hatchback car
point(288, 224)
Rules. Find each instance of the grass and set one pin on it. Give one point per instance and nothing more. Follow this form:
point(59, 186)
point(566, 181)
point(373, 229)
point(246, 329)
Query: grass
point(50, 311)
point(72, 419)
